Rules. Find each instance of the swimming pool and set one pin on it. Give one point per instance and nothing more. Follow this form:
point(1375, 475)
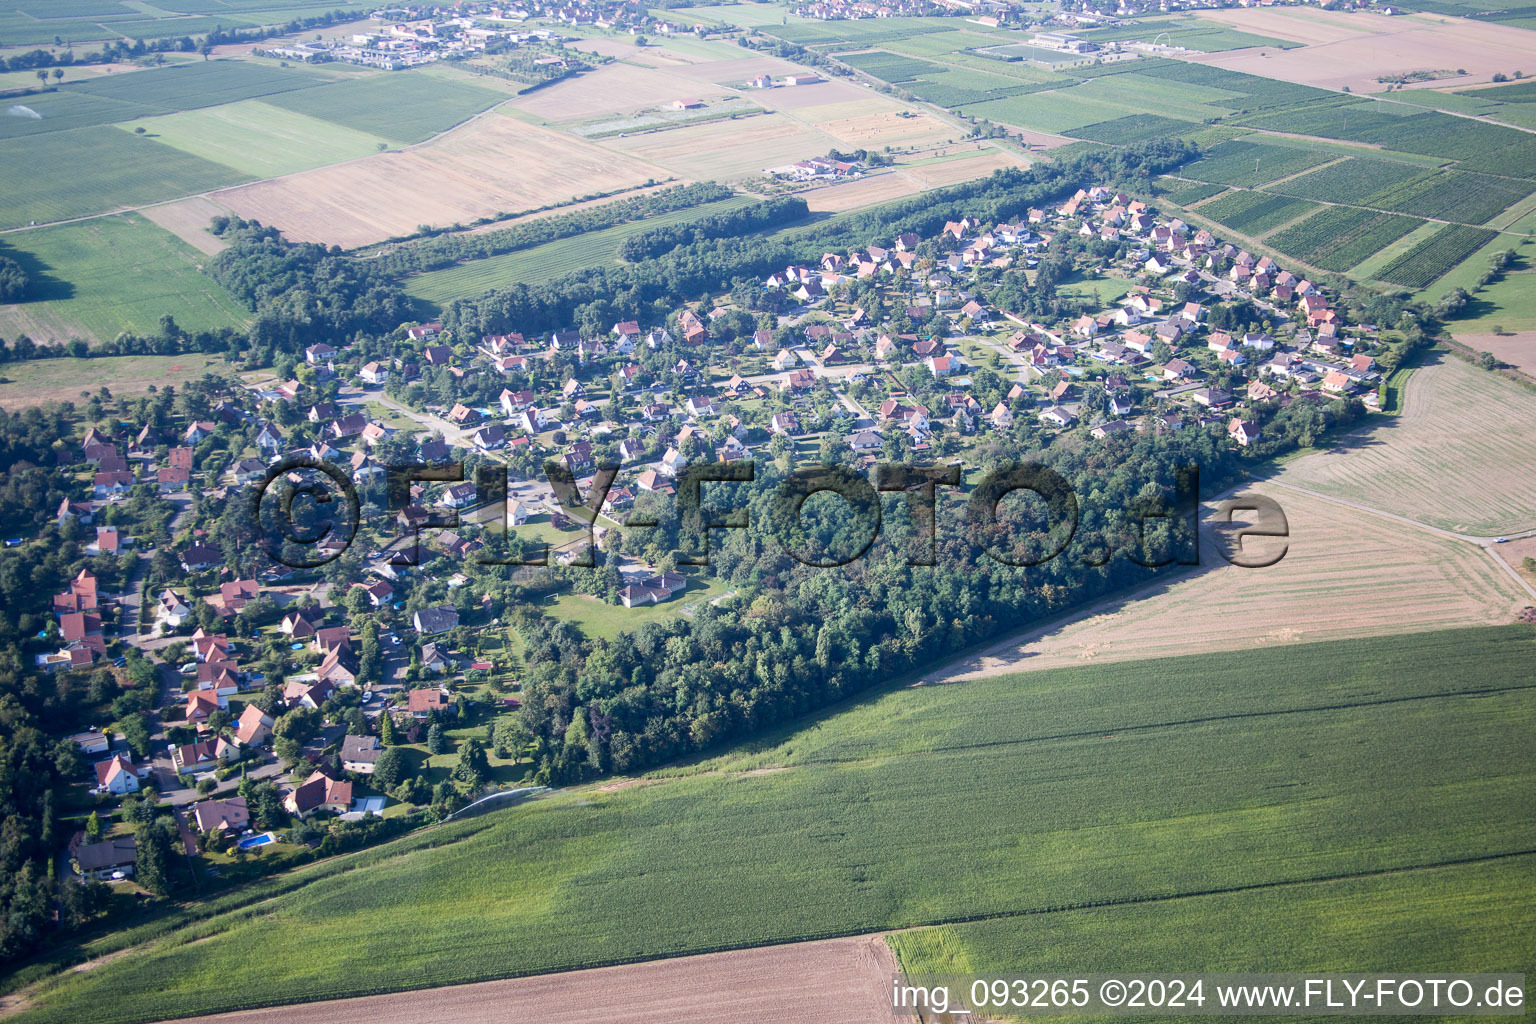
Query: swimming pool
point(262, 840)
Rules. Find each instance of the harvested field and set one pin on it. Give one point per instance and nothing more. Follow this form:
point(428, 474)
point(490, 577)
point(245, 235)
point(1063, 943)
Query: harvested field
point(820, 94)
point(736, 72)
point(613, 89)
point(188, 220)
point(726, 149)
point(1517, 348)
point(875, 131)
point(953, 171)
point(475, 171)
point(831, 982)
point(38, 381)
point(1346, 574)
point(1458, 457)
point(1381, 46)
point(852, 195)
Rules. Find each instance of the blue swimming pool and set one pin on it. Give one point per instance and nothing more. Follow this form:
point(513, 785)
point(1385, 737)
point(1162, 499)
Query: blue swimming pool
point(261, 840)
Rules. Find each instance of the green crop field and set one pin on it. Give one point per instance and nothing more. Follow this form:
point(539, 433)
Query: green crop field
point(550, 260)
point(60, 111)
point(1132, 128)
point(1426, 261)
point(888, 67)
point(400, 105)
point(95, 170)
point(1184, 193)
point(1254, 213)
point(1147, 782)
point(259, 139)
point(1056, 111)
point(1453, 195)
point(1438, 919)
point(1252, 163)
point(97, 278)
point(1350, 180)
point(1338, 237)
point(199, 84)
point(1151, 96)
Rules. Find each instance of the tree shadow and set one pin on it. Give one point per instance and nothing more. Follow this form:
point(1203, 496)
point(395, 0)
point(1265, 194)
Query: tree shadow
point(42, 286)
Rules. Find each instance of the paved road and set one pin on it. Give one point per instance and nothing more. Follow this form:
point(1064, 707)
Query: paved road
point(128, 602)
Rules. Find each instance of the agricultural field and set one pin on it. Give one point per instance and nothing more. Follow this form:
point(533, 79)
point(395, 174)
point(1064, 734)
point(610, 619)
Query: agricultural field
point(88, 171)
point(1251, 164)
point(39, 22)
point(259, 139)
point(1338, 237)
point(888, 67)
point(611, 90)
point(403, 105)
point(1453, 195)
point(100, 277)
point(39, 381)
point(550, 260)
point(1207, 36)
point(481, 169)
point(723, 150)
point(1255, 213)
point(1352, 180)
point(1437, 918)
point(1361, 47)
point(1123, 131)
point(1055, 111)
point(1148, 782)
point(1426, 261)
point(1458, 457)
point(196, 85)
point(1346, 573)
point(1185, 193)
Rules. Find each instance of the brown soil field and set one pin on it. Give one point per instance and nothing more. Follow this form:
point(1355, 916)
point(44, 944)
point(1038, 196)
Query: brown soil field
point(877, 188)
point(1517, 348)
point(1383, 45)
point(820, 94)
point(479, 169)
point(738, 72)
point(875, 131)
point(859, 106)
point(1458, 457)
point(726, 149)
point(837, 981)
point(1302, 24)
point(950, 172)
point(188, 219)
point(1346, 573)
point(612, 89)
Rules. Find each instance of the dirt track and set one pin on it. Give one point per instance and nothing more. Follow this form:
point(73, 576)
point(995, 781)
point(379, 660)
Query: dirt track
point(830, 982)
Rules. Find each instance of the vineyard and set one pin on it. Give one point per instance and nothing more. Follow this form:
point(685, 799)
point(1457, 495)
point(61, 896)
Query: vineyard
point(1135, 128)
point(1350, 181)
point(1185, 193)
point(1252, 163)
point(888, 67)
point(1338, 237)
point(1451, 195)
point(1435, 255)
point(1254, 213)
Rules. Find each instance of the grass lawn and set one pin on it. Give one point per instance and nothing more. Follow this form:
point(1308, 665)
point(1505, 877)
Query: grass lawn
point(259, 139)
point(601, 620)
point(1132, 788)
point(96, 278)
point(1103, 290)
